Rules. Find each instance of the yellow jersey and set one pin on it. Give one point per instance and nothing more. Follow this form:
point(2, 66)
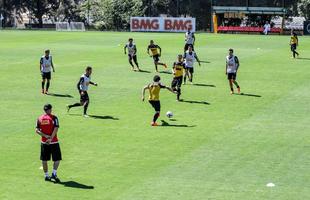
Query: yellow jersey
point(154, 89)
point(294, 40)
point(154, 49)
point(178, 68)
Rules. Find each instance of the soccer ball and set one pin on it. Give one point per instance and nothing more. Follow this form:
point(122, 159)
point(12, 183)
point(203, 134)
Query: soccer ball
point(169, 114)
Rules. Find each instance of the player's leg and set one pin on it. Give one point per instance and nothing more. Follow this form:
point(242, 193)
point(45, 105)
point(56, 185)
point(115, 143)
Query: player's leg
point(43, 82)
point(86, 103)
point(130, 61)
point(44, 157)
point(136, 61)
point(156, 106)
point(48, 79)
point(185, 47)
point(185, 75)
point(81, 103)
point(56, 154)
point(191, 74)
point(179, 84)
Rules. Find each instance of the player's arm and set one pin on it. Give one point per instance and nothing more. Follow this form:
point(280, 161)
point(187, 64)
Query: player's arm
point(237, 62)
point(40, 65)
point(148, 50)
point(52, 64)
point(135, 49)
point(38, 131)
point(159, 50)
point(143, 91)
point(93, 83)
point(296, 41)
point(56, 126)
point(79, 85)
point(173, 69)
point(226, 67)
point(194, 39)
point(125, 47)
point(196, 57)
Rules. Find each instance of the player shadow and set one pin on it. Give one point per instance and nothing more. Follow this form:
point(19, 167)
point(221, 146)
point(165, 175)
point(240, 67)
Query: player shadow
point(60, 95)
point(303, 58)
point(203, 85)
point(249, 95)
point(196, 102)
point(103, 117)
point(203, 61)
point(74, 184)
point(165, 72)
point(144, 71)
point(164, 123)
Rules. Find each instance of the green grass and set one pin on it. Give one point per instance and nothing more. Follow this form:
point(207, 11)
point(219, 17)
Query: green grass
point(232, 148)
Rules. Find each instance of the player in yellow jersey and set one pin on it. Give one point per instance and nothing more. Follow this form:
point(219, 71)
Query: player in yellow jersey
point(154, 89)
point(294, 44)
point(155, 54)
point(178, 70)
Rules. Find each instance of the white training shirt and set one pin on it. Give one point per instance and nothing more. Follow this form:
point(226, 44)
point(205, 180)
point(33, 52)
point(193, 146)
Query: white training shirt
point(131, 49)
point(189, 59)
point(189, 38)
point(84, 82)
point(46, 64)
point(231, 64)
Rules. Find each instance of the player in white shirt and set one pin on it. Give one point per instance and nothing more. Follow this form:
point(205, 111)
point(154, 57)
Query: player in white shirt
point(46, 66)
point(132, 53)
point(232, 66)
point(266, 28)
point(190, 57)
point(82, 86)
point(189, 39)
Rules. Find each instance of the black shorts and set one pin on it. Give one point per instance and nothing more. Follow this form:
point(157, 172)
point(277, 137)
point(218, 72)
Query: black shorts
point(190, 69)
point(156, 58)
point(132, 57)
point(50, 150)
point(188, 45)
point(46, 75)
point(293, 47)
point(155, 104)
point(177, 82)
point(84, 97)
point(231, 76)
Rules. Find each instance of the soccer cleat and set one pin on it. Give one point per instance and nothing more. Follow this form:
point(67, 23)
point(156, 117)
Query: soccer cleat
point(165, 66)
point(231, 92)
point(56, 179)
point(42, 92)
point(46, 92)
point(47, 178)
point(238, 90)
point(85, 115)
point(68, 108)
point(154, 124)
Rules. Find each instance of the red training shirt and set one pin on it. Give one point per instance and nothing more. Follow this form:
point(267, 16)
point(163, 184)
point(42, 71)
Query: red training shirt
point(46, 124)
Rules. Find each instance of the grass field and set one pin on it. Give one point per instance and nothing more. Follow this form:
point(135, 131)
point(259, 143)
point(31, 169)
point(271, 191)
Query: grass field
point(227, 148)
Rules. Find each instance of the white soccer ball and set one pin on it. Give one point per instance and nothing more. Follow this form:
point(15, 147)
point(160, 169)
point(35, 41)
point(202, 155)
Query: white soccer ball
point(169, 114)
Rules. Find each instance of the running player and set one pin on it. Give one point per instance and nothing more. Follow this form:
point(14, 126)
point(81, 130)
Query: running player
point(46, 66)
point(294, 44)
point(132, 53)
point(178, 70)
point(155, 54)
point(154, 89)
point(47, 128)
point(232, 66)
point(189, 57)
point(189, 39)
point(82, 86)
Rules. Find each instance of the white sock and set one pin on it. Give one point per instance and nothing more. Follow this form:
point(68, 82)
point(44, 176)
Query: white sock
point(46, 174)
point(54, 171)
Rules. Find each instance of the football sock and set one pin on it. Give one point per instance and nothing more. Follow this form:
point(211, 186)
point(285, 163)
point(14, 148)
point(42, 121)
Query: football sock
point(155, 117)
point(184, 79)
point(75, 105)
point(47, 85)
point(131, 63)
point(85, 108)
point(46, 174)
point(42, 84)
point(235, 82)
point(54, 172)
point(232, 89)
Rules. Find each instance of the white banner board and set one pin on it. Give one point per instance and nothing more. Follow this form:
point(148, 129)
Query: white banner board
point(162, 24)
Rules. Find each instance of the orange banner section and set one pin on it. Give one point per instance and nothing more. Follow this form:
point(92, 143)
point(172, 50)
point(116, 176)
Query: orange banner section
point(215, 25)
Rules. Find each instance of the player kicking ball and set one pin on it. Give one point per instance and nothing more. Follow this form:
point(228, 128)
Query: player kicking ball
point(154, 90)
point(132, 53)
point(294, 44)
point(155, 54)
point(82, 86)
point(46, 66)
point(232, 66)
point(178, 70)
point(189, 57)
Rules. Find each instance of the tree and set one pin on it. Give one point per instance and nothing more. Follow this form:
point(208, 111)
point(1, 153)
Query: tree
point(304, 8)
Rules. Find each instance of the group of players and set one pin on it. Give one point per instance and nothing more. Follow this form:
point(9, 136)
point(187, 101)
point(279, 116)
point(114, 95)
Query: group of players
point(47, 124)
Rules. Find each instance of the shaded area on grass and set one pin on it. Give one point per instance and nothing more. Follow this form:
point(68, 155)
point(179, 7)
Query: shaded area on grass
point(249, 95)
point(196, 102)
point(103, 117)
point(303, 58)
point(164, 123)
point(203, 85)
point(143, 71)
point(60, 95)
point(165, 72)
point(74, 184)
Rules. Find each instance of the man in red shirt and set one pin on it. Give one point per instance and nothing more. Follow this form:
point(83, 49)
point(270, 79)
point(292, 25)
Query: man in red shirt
point(47, 128)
